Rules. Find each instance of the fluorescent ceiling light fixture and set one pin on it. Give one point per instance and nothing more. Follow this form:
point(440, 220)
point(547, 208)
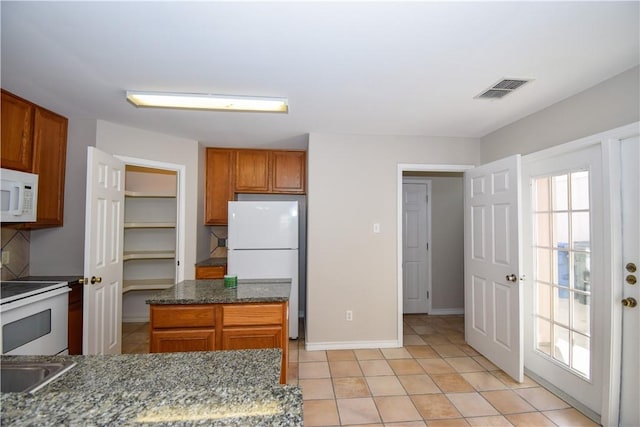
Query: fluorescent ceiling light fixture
point(201, 101)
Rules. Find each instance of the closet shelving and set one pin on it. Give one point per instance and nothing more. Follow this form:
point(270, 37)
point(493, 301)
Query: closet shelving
point(149, 230)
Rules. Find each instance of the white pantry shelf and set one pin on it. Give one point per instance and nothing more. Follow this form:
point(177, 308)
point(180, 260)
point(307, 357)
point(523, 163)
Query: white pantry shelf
point(131, 255)
point(138, 224)
point(146, 285)
point(149, 194)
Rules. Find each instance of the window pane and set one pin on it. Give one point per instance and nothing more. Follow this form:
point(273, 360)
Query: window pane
point(543, 336)
point(560, 193)
point(560, 230)
point(580, 190)
point(582, 271)
point(581, 313)
point(542, 194)
point(581, 354)
point(561, 268)
point(543, 265)
point(580, 232)
point(561, 344)
point(544, 300)
point(543, 237)
point(561, 306)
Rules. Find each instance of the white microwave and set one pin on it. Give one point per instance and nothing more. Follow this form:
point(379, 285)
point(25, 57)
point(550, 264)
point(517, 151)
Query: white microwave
point(19, 201)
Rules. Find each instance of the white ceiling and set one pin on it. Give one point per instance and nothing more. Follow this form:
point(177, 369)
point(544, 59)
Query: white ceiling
point(401, 68)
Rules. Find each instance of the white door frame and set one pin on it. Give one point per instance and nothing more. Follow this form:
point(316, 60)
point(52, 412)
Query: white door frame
point(428, 182)
point(412, 167)
point(180, 171)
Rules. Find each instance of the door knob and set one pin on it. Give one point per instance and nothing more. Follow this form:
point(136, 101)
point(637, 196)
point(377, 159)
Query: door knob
point(95, 280)
point(511, 278)
point(83, 281)
point(629, 302)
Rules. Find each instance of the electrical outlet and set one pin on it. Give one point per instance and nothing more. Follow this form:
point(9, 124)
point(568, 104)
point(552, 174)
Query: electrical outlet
point(376, 227)
point(6, 257)
point(348, 315)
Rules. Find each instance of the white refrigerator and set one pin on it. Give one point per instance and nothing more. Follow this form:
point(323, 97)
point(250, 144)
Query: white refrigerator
point(262, 243)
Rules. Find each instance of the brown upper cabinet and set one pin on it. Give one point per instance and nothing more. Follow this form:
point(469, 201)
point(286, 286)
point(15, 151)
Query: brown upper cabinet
point(231, 171)
point(252, 171)
point(288, 171)
point(17, 128)
point(34, 140)
point(219, 185)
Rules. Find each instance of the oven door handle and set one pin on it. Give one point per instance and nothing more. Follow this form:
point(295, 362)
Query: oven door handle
point(32, 298)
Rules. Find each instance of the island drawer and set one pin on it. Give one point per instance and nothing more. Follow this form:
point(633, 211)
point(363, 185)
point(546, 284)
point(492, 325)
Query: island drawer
point(182, 316)
point(253, 314)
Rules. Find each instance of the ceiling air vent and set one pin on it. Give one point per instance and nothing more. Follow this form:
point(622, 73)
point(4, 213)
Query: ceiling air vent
point(502, 88)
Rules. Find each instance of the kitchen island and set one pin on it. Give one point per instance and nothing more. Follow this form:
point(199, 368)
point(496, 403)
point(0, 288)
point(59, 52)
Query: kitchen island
point(203, 315)
point(178, 389)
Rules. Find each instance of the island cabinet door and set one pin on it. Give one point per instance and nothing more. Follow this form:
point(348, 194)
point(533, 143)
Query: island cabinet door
point(170, 341)
point(251, 338)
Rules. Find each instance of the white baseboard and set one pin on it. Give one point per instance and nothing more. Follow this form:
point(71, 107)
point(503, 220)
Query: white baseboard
point(140, 319)
point(446, 311)
point(353, 345)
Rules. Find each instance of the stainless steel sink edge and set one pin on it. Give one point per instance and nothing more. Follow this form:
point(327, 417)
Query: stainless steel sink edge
point(57, 368)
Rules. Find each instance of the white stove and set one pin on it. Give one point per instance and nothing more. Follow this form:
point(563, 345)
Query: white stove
point(34, 317)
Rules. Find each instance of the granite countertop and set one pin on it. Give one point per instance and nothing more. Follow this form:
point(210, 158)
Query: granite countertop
point(212, 262)
point(201, 388)
point(214, 292)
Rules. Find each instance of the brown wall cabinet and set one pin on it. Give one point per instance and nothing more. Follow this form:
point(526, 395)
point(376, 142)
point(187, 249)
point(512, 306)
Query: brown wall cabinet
point(207, 327)
point(219, 185)
point(35, 140)
point(17, 131)
point(231, 171)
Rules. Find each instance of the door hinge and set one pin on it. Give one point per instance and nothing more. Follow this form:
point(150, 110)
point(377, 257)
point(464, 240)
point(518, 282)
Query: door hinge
point(427, 246)
point(178, 261)
point(427, 198)
point(427, 294)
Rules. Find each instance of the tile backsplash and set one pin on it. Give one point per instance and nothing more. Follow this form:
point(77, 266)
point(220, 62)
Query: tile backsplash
point(15, 246)
point(218, 238)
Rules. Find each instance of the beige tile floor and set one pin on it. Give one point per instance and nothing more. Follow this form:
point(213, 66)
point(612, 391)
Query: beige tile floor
point(435, 380)
point(135, 338)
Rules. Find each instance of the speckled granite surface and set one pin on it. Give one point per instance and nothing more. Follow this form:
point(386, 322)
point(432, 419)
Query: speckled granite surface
point(214, 292)
point(212, 262)
point(223, 388)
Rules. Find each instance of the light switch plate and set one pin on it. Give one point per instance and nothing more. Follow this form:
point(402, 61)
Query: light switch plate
point(376, 227)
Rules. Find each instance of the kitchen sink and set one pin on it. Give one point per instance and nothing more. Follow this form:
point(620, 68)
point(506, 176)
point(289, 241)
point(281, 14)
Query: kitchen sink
point(29, 377)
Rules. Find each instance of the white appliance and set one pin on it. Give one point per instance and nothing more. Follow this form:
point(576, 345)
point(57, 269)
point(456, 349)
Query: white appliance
point(34, 317)
point(263, 244)
point(19, 192)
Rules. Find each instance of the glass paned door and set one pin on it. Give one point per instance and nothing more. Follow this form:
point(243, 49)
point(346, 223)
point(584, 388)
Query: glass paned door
point(562, 248)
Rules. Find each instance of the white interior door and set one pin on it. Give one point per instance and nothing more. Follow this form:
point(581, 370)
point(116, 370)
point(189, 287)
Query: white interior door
point(492, 263)
point(102, 305)
point(630, 378)
point(415, 240)
point(565, 292)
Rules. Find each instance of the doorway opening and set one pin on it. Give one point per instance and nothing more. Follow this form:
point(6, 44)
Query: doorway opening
point(444, 175)
point(153, 233)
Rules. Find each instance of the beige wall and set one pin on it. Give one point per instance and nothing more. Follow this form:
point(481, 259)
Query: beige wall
point(610, 104)
point(141, 144)
point(352, 184)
